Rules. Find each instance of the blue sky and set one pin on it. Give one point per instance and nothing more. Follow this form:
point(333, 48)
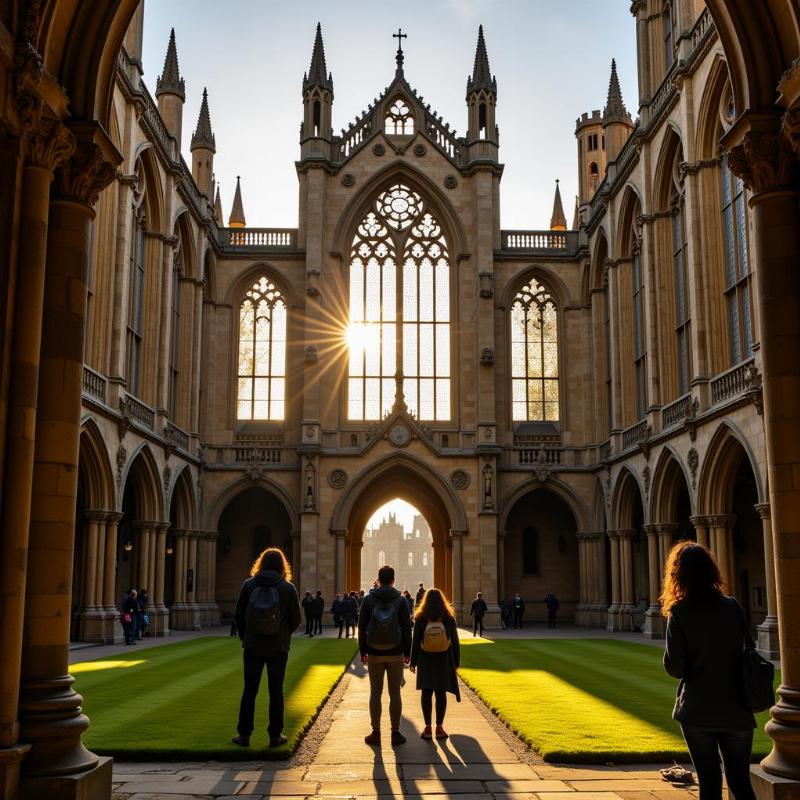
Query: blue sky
point(552, 62)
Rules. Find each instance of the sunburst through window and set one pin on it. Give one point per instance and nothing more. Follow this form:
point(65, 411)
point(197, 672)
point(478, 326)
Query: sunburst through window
point(399, 310)
point(399, 120)
point(262, 353)
point(534, 355)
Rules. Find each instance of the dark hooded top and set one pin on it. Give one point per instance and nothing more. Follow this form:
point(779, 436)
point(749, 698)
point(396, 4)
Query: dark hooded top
point(290, 614)
point(384, 594)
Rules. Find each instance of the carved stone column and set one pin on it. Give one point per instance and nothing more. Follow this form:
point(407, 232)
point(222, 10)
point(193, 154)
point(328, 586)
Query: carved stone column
point(211, 608)
point(458, 577)
point(51, 719)
point(92, 612)
point(341, 565)
point(701, 529)
point(294, 537)
point(653, 621)
point(721, 528)
point(181, 616)
point(616, 582)
point(112, 629)
point(191, 582)
point(585, 573)
point(667, 531)
point(765, 161)
point(501, 564)
point(159, 615)
point(768, 641)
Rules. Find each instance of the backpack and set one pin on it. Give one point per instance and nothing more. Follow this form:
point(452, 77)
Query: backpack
point(435, 638)
point(383, 630)
point(263, 611)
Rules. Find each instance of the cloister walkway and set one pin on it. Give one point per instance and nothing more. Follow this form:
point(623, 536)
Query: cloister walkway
point(476, 763)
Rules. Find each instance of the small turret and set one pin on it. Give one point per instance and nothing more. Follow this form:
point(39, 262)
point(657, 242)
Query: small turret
point(203, 148)
point(316, 130)
point(558, 222)
point(218, 209)
point(481, 96)
point(576, 217)
point(591, 154)
point(617, 122)
point(236, 219)
point(171, 92)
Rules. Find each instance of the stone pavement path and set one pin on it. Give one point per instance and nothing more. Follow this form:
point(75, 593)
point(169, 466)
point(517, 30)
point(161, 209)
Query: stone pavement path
point(474, 764)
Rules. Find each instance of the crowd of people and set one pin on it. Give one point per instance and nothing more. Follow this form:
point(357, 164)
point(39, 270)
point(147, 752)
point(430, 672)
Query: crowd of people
point(708, 645)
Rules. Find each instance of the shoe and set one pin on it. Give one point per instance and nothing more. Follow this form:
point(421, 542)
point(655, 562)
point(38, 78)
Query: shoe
point(373, 738)
point(277, 741)
point(426, 733)
point(398, 738)
point(441, 733)
point(242, 741)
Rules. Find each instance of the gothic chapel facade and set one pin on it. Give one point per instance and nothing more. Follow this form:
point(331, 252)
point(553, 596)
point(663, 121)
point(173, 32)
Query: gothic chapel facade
point(560, 405)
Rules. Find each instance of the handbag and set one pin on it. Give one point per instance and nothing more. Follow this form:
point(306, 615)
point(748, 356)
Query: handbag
point(146, 619)
point(127, 618)
point(758, 674)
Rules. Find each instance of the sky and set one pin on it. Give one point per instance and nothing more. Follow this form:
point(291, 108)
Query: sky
point(552, 61)
point(403, 511)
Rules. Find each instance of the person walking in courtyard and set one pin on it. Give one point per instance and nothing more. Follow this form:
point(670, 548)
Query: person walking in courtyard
point(518, 607)
point(435, 657)
point(351, 609)
point(409, 602)
point(551, 601)
point(704, 645)
point(319, 610)
point(336, 613)
point(267, 613)
point(130, 609)
point(308, 612)
point(420, 594)
point(476, 611)
point(384, 640)
point(505, 613)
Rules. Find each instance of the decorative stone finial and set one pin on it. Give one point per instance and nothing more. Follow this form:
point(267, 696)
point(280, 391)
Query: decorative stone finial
point(482, 77)
point(236, 219)
point(170, 81)
point(558, 222)
point(203, 136)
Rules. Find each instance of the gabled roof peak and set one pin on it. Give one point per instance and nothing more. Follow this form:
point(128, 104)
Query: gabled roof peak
point(170, 81)
point(482, 77)
point(203, 136)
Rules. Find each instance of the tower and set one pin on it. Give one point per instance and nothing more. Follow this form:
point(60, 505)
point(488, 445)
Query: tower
point(316, 130)
point(236, 219)
point(482, 133)
point(203, 148)
point(591, 154)
point(617, 122)
point(558, 221)
point(171, 92)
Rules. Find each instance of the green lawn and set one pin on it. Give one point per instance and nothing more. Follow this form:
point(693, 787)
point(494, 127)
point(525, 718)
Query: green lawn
point(582, 700)
point(181, 701)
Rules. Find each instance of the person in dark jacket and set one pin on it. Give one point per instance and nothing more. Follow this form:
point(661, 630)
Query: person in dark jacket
point(518, 607)
point(477, 611)
point(308, 611)
point(409, 602)
point(351, 609)
point(319, 610)
point(388, 660)
point(130, 608)
point(551, 601)
point(704, 644)
point(142, 615)
point(436, 672)
point(420, 594)
point(336, 613)
point(270, 570)
point(505, 613)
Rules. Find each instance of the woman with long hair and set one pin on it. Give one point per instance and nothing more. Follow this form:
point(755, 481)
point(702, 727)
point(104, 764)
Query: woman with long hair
point(267, 613)
point(435, 657)
point(704, 645)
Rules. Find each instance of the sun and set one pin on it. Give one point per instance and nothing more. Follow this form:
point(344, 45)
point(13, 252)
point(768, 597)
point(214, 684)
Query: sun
point(357, 336)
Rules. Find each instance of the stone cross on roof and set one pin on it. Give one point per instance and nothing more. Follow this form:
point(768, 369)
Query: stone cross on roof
point(400, 57)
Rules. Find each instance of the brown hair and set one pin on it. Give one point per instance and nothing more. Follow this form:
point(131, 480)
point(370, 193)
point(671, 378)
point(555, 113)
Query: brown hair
point(690, 572)
point(434, 606)
point(272, 558)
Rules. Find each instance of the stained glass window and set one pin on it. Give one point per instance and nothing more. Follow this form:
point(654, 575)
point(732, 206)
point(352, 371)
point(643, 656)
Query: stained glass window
point(399, 310)
point(534, 355)
point(737, 266)
point(261, 391)
point(399, 120)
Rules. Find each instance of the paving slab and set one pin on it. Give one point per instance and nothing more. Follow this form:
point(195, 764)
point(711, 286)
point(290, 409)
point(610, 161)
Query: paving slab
point(537, 786)
point(478, 772)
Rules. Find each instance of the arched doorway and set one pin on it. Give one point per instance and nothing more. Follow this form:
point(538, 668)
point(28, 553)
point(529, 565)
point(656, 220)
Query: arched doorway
point(399, 535)
point(541, 553)
point(253, 519)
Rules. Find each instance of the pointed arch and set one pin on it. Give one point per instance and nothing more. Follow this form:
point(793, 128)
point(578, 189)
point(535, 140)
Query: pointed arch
point(95, 468)
point(598, 263)
point(245, 279)
point(214, 510)
point(143, 471)
point(576, 506)
point(554, 284)
point(709, 128)
point(182, 496)
point(669, 477)
point(665, 176)
point(627, 490)
point(600, 507)
point(627, 230)
point(150, 178)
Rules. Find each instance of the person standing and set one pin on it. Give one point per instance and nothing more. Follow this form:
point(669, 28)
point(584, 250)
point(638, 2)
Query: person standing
point(308, 612)
point(267, 613)
point(420, 594)
point(143, 616)
point(505, 613)
point(551, 601)
point(518, 607)
point(319, 610)
point(384, 640)
point(336, 613)
point(351, 610)
point(705, 639)
point(435, 657)
point(130, 610)
point(477, 611)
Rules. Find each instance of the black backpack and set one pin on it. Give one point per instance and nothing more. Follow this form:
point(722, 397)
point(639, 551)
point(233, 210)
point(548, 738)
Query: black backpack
point(383, 630)
point(264, 611)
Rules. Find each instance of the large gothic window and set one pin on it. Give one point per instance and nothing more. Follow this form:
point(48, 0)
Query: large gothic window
point(639, 348)
point(681, 278)
point(399, 120)
point(262, 353)
point(136, 305)
point(399, 310)
point(175, 337)
point(534, 355)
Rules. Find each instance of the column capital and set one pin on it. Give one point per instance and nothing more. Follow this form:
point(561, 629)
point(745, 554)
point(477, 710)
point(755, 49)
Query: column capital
point(721, 520)
point(114, 516)
point(625, 533)
point(760, 153)
point(763, 510)
point(668, 527)
point(91, 167)
point(651, 529)
point(588, 536)
point(700, 520)
point(339, 534)
point(95, 515)
point(455, 534)
point(49, 144)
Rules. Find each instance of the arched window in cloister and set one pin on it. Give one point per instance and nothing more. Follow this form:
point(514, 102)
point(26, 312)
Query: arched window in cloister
point(399, 310)
point(175, 333)
point(639, 341)
point(399, 119)
point(136, 276)
point(261, 391)
point(534, 355)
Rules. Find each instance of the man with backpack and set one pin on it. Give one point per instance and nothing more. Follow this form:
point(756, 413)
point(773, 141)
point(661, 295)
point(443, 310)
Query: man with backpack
point(267, 613)
point(384, 639)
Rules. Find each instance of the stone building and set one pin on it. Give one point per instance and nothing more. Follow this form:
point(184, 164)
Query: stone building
point(408, 551)
point(560, 405)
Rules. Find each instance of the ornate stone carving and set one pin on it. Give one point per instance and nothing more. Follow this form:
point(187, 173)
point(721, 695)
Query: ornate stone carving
point(487, 356)
point(541, 467)
point(420, 149)
point(348, 179)
point(337, 479)
point(85, 175)
point(122, 458)
point(459, 479)
point(693, 460)
point(309, 501)
point(763, 161)
point(486, 284)
point(312, 282)
point(50, 144)
point(310, 354)
point(487, 475)
point(378, 149)
point(450, 182)
point(124, 421)
point(167, 479)
point(646, 478)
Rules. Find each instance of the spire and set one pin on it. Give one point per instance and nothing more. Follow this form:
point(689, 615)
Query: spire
point(576, 219)
point(615, 108)
point(482, 77)
point(236, 219)
point(558, 222)
point(170, 80)
point(218, 210)
point(318, 74)
point(203, 137)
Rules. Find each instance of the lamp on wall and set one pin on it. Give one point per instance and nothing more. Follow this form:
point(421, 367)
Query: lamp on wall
point(170, 548)
point(128, 544)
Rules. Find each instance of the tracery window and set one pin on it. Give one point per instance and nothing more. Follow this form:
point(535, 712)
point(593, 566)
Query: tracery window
point(399, 317)
point(680, 267)
point(534, 355)
point(607, 339)
point(175, 337)
point(136, 305)
point(399, 120)
point(262, 353)
point(639, 349)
